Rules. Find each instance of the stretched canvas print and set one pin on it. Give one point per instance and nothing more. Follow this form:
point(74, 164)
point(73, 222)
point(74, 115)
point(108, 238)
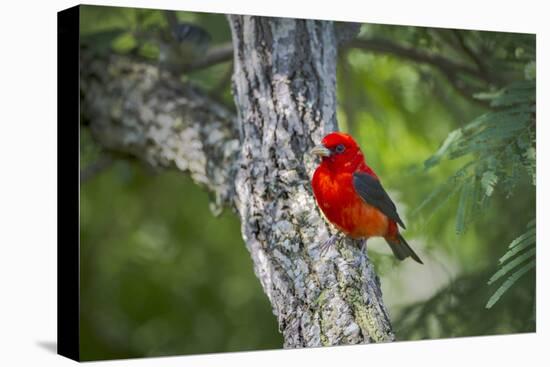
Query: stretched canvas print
point(251, 183)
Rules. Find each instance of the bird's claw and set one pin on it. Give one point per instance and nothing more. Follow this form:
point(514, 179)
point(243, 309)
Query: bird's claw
point(325, 246)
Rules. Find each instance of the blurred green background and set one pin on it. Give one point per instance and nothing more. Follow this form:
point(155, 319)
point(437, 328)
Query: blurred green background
point(160, 275)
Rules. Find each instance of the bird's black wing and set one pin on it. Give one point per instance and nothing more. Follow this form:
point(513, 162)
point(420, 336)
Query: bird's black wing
point(371, 191)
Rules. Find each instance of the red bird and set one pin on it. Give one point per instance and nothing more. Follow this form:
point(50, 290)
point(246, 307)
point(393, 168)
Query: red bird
point(352, 198)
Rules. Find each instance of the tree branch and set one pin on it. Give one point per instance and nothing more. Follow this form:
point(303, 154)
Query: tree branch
point(389, 47)
point(449, 68)
point(135, 109)
point(469, 52)
point(214, 55)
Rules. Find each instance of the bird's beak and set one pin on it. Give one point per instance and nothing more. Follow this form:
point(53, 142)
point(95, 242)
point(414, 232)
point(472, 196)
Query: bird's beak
point(321, 151)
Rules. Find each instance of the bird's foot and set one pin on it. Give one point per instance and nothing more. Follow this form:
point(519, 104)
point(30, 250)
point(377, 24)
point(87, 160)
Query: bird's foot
point(325, 246)
point(362, 256)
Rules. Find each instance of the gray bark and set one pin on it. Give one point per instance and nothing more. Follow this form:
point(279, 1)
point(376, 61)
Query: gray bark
point(258, 164)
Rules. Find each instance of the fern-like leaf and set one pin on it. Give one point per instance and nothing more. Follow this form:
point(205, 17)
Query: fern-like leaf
point(517, 249)
point(488, 182)
point(519, 258)
point(511, 265)
point(508, 283)
point(529, 234)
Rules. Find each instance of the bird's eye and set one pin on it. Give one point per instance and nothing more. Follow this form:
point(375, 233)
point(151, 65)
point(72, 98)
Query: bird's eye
point(340, 148)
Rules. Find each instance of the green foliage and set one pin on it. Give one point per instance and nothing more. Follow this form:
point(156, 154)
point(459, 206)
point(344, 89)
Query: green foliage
point(499, 146)
point(458, 310)
point(520, 258)
point(160, 275)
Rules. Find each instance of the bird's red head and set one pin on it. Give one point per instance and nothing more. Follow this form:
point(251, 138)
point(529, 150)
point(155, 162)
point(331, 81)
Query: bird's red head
point(339, 151)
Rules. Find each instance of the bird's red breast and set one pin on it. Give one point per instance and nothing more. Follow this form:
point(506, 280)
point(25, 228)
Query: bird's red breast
point(344, 208)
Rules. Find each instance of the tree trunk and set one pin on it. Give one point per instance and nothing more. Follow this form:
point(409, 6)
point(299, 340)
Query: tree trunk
point(257, 163)
point(284, 86)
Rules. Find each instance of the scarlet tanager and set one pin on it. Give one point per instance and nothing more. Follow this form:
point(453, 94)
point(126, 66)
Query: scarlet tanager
point(351, 197)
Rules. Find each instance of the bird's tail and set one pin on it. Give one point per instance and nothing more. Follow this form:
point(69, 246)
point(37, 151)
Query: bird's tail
point(401, 248)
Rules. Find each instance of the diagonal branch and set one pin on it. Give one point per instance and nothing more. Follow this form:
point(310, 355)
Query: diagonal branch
point(389, 47)
point(217, 54)
point(468, 51)
point(450, 69)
